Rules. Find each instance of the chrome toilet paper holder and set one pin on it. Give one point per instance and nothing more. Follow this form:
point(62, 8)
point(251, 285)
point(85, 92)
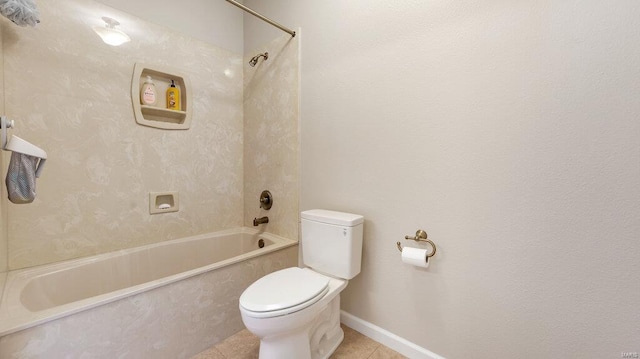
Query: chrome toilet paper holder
point(421, 236)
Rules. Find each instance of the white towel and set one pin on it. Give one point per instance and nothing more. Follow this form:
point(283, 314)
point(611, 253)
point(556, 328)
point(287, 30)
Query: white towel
point(21, 12)
point(21, 178)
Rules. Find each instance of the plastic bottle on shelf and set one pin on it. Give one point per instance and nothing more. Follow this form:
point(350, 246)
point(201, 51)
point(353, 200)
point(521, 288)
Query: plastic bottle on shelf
point(148, 92)
point(173, 97)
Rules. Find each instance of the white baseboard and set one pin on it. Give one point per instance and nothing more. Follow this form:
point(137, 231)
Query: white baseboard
point(387, 338)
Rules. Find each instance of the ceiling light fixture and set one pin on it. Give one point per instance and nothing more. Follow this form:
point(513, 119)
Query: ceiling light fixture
point(109, 34)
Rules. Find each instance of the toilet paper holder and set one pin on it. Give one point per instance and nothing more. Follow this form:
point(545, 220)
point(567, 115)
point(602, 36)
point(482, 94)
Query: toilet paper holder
point(421, 236)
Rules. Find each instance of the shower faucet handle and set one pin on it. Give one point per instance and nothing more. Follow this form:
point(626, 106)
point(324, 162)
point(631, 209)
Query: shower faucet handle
point(266, 200)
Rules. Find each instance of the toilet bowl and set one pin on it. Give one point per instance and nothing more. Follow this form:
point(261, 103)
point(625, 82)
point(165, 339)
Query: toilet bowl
point(296, 311)
point(304, 328)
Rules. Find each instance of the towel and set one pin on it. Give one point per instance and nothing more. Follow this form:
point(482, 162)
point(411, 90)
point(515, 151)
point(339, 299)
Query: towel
point(21, 178)
point(21, 12)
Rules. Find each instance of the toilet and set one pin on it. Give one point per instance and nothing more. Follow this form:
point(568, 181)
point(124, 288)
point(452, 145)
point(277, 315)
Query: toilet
point(296, 311)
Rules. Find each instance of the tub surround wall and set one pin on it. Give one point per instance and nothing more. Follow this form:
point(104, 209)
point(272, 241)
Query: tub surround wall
point(271, 140)
point(509, 132)
point(178, 320)
point(73, 100)
point(3, 167)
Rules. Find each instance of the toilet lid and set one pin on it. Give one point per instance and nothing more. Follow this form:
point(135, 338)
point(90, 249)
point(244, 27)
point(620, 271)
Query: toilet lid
point(287, 288)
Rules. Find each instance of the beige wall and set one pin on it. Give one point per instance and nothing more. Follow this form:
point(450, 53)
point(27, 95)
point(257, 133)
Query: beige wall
point(509, 131)
point(70, 94)
point(271, 135)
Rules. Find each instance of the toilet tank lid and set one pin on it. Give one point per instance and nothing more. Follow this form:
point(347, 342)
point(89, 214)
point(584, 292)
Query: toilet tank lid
point(332, 217)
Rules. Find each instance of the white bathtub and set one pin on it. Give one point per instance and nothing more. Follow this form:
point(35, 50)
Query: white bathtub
point(43, 302)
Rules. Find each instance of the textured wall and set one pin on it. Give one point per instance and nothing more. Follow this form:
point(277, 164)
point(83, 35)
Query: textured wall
point(70, 94)
point(509, 131)
point(271, 135)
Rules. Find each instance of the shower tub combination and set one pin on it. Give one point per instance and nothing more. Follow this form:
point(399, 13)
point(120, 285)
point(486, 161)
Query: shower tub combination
point(167, 300)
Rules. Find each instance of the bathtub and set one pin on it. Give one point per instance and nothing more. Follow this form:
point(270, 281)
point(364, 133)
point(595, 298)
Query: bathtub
point(166, 300)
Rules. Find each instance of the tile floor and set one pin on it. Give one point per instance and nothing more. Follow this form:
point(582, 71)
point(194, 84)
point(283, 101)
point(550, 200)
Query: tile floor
point(244, 345)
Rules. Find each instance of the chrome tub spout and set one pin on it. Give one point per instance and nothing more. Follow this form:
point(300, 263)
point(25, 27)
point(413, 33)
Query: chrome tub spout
point(261, 220)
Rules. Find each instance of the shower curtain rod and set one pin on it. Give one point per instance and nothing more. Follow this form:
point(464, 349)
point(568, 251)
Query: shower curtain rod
point(291, 32)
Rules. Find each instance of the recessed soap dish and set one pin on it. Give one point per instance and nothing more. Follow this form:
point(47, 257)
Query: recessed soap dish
point(163, 202)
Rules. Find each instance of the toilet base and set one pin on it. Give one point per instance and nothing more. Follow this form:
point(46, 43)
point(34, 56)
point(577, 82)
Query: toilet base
point(318, 339)
point(289, 346)
point(326, 334)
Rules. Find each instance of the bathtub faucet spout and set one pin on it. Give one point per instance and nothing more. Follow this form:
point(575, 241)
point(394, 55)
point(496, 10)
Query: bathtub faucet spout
point(261, 220)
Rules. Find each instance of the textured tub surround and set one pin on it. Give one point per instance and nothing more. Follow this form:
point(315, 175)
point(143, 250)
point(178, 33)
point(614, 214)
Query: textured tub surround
point(93, 199)
point(39, 294)
point(175, 320)
point(271, 139)
point(74, 100)
point(3, 279)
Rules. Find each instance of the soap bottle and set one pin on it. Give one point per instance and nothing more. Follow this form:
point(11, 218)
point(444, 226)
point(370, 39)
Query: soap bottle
point(148, 92)
point(173, 97)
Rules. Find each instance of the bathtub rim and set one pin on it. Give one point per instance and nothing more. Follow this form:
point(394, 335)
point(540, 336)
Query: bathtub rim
point(14, 317)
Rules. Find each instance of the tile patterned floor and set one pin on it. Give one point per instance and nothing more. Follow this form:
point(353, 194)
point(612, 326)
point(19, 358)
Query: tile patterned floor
point(244, 345)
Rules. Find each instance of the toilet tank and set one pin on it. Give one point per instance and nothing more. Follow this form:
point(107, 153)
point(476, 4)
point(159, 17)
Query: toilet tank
point(332, 242)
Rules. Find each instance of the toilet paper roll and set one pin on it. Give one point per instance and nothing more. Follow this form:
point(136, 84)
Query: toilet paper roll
point(415, 256)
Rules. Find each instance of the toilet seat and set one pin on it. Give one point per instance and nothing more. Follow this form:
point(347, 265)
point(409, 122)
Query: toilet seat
point(283, 292)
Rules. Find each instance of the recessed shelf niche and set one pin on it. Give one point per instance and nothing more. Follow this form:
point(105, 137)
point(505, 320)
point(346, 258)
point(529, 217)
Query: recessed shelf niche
point(159, 116)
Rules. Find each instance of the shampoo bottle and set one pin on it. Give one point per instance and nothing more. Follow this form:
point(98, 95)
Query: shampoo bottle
point(173, 97)
point(148, 92)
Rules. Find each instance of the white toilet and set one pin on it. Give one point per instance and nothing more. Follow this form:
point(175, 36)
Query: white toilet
point(296, 311)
